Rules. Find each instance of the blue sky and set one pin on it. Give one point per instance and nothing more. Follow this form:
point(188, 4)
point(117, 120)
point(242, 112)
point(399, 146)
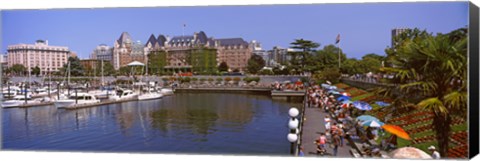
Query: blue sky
point(364, 27)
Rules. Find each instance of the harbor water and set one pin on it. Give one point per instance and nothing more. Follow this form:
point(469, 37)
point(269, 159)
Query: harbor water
point(190, 123)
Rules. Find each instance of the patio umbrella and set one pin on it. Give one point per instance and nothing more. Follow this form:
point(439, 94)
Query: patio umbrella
point(135, 63)
point(343, 98)
point(382, 104)
point(332, 87)
point(396, 130)
point(373, 123)
point(325, 85)
point(367, 118)
point(409, 153)
point(361, 105)
point(345, 103)
point(298, 83)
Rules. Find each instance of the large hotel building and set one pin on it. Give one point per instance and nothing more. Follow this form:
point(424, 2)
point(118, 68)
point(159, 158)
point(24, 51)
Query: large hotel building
point(48, 58)
point(183, 53)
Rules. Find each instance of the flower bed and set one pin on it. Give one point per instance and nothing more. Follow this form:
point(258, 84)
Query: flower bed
point(460, 138)
point(411, 115)
point(458, 152)
point(424, 139)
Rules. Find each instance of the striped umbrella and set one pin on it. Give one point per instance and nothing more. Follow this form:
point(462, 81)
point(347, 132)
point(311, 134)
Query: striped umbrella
point(345, 103)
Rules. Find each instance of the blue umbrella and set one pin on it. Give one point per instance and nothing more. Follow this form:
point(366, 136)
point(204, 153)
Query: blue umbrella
point(346, 102)
point(382, 104)
point(325, 85)
point(332, 87)
point(361, 105)
point(333, 92)
point(366, 118)
point(343, 98)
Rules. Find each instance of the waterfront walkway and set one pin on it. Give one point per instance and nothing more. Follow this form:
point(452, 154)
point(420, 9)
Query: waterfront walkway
point(313, 125)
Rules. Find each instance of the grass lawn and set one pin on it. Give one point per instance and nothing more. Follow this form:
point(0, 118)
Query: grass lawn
point(360, 97)
point(460, 127)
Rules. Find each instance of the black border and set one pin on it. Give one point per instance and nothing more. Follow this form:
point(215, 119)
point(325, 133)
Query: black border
point(473, 80)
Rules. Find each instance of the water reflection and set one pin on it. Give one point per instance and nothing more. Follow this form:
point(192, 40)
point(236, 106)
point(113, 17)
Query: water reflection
point(191, 123)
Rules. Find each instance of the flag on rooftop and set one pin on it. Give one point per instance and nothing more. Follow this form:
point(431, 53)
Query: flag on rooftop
point(338, 39)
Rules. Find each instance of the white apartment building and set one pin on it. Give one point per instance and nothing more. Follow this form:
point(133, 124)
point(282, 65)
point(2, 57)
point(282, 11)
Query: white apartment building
point(47, 58)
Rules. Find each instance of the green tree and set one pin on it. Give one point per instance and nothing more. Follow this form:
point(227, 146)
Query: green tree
point(255, 63)
point(108, 69)
point(76, 68)
point(125, 71)
point(328, 57)
point(432, 73)
point(36, 71)
point(331, 74)
point(299, 59)
point(157, 60)
point(18, 69)
point(204, 60)
point(351, 66)
point(223, 67)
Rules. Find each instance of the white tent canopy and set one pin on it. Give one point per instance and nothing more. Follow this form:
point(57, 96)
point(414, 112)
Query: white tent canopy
point(136, 63)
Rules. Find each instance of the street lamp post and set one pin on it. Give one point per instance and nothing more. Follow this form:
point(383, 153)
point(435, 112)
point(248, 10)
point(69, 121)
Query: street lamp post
point(293, 126)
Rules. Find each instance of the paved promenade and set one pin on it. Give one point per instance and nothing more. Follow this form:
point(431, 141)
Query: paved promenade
point(312, 127)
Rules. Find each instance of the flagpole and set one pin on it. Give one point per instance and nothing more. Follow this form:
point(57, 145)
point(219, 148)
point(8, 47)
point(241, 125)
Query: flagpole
point(338, 46)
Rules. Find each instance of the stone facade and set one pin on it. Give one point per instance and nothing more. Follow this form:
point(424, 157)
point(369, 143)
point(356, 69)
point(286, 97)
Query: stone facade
point(48, 58)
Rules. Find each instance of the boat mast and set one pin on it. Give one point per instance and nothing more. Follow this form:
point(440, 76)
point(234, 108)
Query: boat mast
point(102, 73)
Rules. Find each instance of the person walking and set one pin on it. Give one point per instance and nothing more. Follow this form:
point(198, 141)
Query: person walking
point(336, 143)
point(300, 153)
point(435, 153)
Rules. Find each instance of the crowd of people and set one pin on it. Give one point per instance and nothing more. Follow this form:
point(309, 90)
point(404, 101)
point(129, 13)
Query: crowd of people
point(339, 122)
point(340, 126)
point(288, 86)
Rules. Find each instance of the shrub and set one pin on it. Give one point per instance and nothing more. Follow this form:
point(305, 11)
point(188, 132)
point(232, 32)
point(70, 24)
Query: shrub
point(194, 79)
point(228, 79)
point(186, 80)
point(237, 79)
point(265, 72)
point(210, 79)
point(256, 79)
point(219, 80)
point(180, 79)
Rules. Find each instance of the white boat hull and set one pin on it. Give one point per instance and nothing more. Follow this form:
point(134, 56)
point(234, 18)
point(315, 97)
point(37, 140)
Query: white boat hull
point(15, 103)
point(69, 103)
point(150, 96)
point(166, 92)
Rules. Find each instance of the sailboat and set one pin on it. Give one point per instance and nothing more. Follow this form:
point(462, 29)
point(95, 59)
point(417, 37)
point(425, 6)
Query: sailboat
point(103, 92)
point(150, 94)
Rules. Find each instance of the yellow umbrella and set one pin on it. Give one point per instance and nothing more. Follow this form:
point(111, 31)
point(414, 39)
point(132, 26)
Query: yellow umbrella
point(396, 130)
